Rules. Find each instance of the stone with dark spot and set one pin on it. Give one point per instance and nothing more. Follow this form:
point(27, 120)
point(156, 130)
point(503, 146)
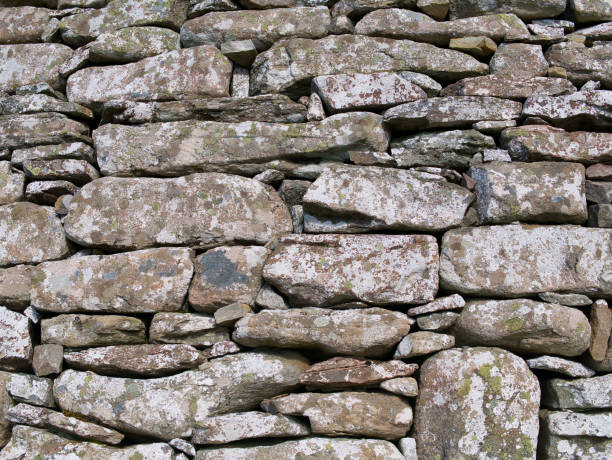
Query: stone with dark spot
point(47, 192)
point(579, 394)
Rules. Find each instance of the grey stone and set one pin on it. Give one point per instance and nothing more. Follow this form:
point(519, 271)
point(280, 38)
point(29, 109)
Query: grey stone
point(15, 284)
point(184, 446)
point(599, 192)
point(355, 9)
point(242, 52)
point(599, 171)
point(526, 9)
point(226, 347)
point(571, 300)
point(292, 191)
point(15, 341)
point(579, 394)
point(34, 103)
point(600, 215)
point(268, 298)
point(591, 10)
point(199, 8)
point(22, 24)
point(480, 47)
point(316, 111)
point(189, 328)
point(519, 60)
point(599, 32)
point(19, 131)
point(74, 150)
point(423, 343)
point(509, 86)
point(47, 192)
point(230, 314)
point(403, 386)
point(48, 359)
point(493, 127)
point(489, 155)
point(271, 177)
point(30, 389)
point(582, 63)
point(241, 79)
point(451, 302)
point(11, 184)
point(77, 171)
point(560, 365)
point(437, 322)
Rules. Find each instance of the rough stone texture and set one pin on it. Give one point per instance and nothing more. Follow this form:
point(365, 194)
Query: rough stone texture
point(477, 403)
point(188, 328)
point(526, 9)
point(242, 52)
point(230, 314)
point(328, 448)
point(583, 64)
point(571, 300)
point(47, 359)
point(579, 394)
point(590, 447)
point(5, 404)
point(27, 64)
point(42, 128)
point(74, 150)
point(289, 67)
point(48, 191)
point(599, 172)
point(229, 384)
point(15, 341)
point(480, 47)
point(326, 270)
point(179, 74)
point(81, 28)
point(30, 389)
point(11, 184)
point(348, 413)
point(519, 260)
point(368, 332)
point(34, 103)
point(144, 281)
point(600, 215)
point(601, 324)
point(519, 60)
point(262, 27)
point(406, 386)
point(24, 24)
point(509, 87)
point(78, 171)
point(451, 302)
point(223, 429)
point(560, 365)
point(91, 331)
point(423, 343)
point(524, 326)
point(546, 192)
point(132, 44)
point(266, 298)
point(200, 210)
point(15, 286)
point(599, 192)
point(437, 322)
point(358, 199)
point(591, 10)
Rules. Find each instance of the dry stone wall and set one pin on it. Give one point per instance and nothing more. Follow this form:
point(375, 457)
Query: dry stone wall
point(305, 229)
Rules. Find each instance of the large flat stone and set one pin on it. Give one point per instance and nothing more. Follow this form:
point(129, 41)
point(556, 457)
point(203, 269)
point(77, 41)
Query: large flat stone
point(368, 332)
point(526, 9)
point(354, 9)
point(193, 329)
point(23, 24)
point(579, 394)
point(27, 64)
point(193, 146)
point(520, 260)
point(366, 198)
point(15, 342)
point(29, 234)
point(200, 210)
point(509, 87)
point(524, 326)
point(326, 270)
point(591, 10)
point(19, 131)
point(477, 403)
point(451, 112)
point(180, 74)
point(34, 103)
point(264, 27)
point(583, 63)
point(169, 407)
point(290, 66)
point(74, 150)
point(144, 281)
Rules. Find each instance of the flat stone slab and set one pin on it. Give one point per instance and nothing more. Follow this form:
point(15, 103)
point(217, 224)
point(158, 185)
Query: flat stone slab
point(526, 9)
point(30, 389)
point(509, 86)
point(546, 192)
point(28, 64)
point(451, 302)
point(73, 150)
point(190, 328)
point(47, 192)
point(451, 112)
point(208, 209)
point(144, 281)
point(160, 77)
point(581, 63)
point(538, 143)
point(422, 343)
point(263, 27)
point(579, 394)
point(19, 131)
point(560, 365)
point(200, 146)
point(370, 332)
point(524, 326)
point(29, 234)
point(519, 260)
point(34, 103)
point(77, 171)
point(405, 386)
point(289, 67)
point(15, 342)
point(232, 383)
point(326, 270)
point(23, 24)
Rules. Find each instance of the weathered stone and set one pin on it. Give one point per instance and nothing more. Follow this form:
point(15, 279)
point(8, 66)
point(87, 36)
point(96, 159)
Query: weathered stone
point(223, 429)
point(77, 171)
point(161, 77)
point(404, 24)
point(200, 210)
point(423, 343)
point(11, 184)
point(316, 111)
point(376, 91)
point(560, 365)
point(74, 150)
point(448, 149)
point(496, 155)
point(62, 204)
point(452, 302)
point(599, 192)
point(368, 332)
point(341, 25)
point(545, 192)
point(200, 7)
point(582, 63)
point(40, 88)
point(194, 146)
point(34, 103)
point(600, 215)
point(571, 300)
point(437, 9)
point(15, 341)
point(519, 60)
point(92, 331)
point(189, 328)
point(379, 269)
point(519, 260)
point(30, 389)
point(5, 404)
point(355, 9)
point(373, 198)
point(27, 64)
point(29, 442)
point(81, 28)
point(144, 281)
point(405, 386)
point(228, 315)
point(455, 414)
point(135, 360)
point(47, 359)
point(524, 326)
point(47, 192)
point(226, 275)
point(493, 127)
point(226, 347)
point(21, 131)
point(601, 324)
point(328, 448)
point(338, 373)
point(229, 384)
point(526, 9)
point(262, 27)
point(183, 446)
point(509, 86)
point(599, 172)
point(290, 66)
point(241, 78)
point(599, 32)
point(376, 415)
point(580, 394)
point(591, 10)
point(266, 298)
point(582, 447)
point(15, 283)
point(572, 424)
point(480, 47)
point(537, 143)
point(437, 322)
point(451, 112)
point(242, 52)
point(23, 24)
point(292, 191)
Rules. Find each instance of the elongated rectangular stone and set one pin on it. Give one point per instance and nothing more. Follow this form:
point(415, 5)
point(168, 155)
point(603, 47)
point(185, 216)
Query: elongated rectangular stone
point(34, 103)
point(144, 281)
point(190, 328)
point(325, 270)
point(526, 9)
point(193, 146)
point(356, 199)
point(180, 74)
point(519, 260)
point(19, 131)
point(200, 210)
point(509, 86)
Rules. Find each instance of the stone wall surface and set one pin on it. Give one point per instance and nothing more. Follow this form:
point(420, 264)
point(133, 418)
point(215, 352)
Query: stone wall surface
point(305, 229)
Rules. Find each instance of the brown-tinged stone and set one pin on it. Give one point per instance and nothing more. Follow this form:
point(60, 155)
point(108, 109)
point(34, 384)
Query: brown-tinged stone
point(190, 328)
point(78, 172)
point(437, 322)
point(226, 347)
point(22, 24)
point(591, 10)
point(5, 404)
point(19, 131)
point(242, 52)
point(292, 191)
point(599, 171)
point(600, 215)
point(403, 386)
point(354, 9)
point(579, 394)
point(230, 314)
point(15, 341)
point(601, 324)
point(423, 343)
point(48, 359)
point(519, 60)
point(526, 9)
point(451, 302)
point(509, 86)
point(11, 184)
point(47, 192)
point(582, 63)
point(15, 284)
point(480, 47)
point(34, 103)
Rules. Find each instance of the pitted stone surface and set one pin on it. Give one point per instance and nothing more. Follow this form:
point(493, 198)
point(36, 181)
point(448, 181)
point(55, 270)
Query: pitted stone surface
point(579, 394)
point(41, 128)
point(132, 44)
point(22, 24)
point(34, 103)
